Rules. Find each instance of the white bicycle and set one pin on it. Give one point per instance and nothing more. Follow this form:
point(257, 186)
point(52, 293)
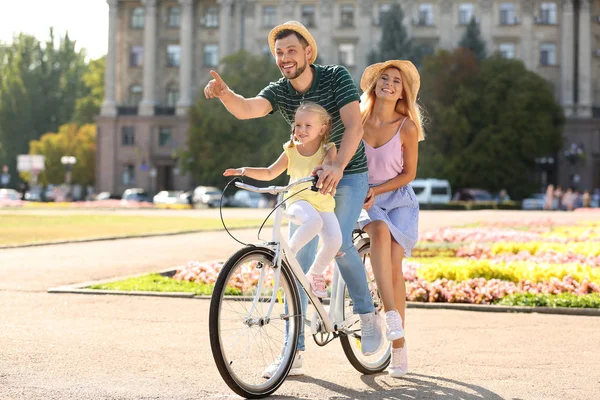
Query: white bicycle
point(255, 311)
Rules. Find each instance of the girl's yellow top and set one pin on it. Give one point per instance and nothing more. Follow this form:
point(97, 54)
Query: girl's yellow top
point(300, 166)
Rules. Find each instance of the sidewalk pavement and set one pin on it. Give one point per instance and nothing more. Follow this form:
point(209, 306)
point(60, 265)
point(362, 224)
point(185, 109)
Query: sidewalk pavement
point(64, 346)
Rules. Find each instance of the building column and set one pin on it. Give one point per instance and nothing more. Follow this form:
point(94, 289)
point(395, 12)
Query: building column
point(225, 28)
point(326, 46)
point(187, 56)
point(109, 106)
point(148, 100)
point(487, 24)
point(567, 55)
point(446, 25)
point(584, 106)
point(528, 53)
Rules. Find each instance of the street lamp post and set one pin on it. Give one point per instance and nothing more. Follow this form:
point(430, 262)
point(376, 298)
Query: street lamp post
point(544, 164)
point(574, 154)
point(68, 162)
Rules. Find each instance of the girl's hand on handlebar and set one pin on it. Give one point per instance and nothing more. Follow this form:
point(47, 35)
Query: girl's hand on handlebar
point(234, 172)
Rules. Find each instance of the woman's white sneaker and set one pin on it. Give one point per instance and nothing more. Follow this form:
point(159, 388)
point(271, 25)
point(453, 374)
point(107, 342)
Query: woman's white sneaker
point(393, 324)
point(371, 336)
point(296, 370)
point(399, 364)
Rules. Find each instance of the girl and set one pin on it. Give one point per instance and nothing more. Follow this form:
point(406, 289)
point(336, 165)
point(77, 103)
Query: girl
point(393, 128)
point(312, 211)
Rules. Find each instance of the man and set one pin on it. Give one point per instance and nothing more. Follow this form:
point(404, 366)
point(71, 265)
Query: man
point(295, 51)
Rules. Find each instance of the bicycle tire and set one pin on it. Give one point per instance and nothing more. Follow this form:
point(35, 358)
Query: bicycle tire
point(352, 351)
point(224, 365)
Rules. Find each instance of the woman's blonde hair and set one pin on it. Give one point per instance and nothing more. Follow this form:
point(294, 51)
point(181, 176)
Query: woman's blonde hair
point(309, 106)
point(407, 105)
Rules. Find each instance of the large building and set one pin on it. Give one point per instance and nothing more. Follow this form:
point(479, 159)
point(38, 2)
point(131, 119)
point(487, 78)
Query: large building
point(160, 53)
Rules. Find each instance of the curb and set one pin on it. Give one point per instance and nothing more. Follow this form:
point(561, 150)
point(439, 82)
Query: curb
point(81, 288)
point(101, 239)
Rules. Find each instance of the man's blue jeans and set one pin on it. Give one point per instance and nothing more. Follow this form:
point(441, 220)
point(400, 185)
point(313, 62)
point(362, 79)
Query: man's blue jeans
point(349, 199)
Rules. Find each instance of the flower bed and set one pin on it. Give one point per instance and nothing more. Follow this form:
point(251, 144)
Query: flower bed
point(486, 264)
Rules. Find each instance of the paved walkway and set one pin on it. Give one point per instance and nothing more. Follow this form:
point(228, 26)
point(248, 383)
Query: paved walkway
point(115, 347)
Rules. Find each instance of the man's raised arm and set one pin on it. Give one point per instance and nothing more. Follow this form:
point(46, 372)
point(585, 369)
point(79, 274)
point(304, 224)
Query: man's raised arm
point(239, 106)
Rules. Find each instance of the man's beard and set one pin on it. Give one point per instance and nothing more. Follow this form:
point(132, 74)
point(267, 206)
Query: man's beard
point(299, 71)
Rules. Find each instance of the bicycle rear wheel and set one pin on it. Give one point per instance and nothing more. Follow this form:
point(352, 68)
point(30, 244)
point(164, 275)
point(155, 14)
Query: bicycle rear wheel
point(244, 338)
point(379, 361)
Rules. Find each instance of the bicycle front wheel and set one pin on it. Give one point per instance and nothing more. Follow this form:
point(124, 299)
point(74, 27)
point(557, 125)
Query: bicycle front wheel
point(379, 361)
point(254, 307)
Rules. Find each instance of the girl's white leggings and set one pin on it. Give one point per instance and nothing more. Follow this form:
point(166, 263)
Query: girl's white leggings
point(311, 223)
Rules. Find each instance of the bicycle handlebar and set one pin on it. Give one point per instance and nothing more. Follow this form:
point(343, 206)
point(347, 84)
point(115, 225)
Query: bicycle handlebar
point(279, 189)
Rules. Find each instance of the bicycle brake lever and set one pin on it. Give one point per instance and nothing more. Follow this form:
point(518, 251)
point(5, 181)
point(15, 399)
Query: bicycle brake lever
point(314, 187)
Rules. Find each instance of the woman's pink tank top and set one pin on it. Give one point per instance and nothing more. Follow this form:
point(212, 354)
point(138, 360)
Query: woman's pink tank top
point(385, 162)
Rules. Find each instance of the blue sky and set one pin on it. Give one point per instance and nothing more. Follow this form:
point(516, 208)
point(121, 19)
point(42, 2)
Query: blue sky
point(85, 20)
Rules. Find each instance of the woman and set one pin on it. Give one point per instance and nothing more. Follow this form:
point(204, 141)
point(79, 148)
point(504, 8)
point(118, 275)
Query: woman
point(393, 128)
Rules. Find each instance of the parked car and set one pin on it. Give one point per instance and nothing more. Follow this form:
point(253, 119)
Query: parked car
point(169, 197)
point(243, 198)
point(136, 194)
point(187, 197)
point(106, 196)
point(35, 194)
point(207, 195)
point(475, 195)
point(9, 194)
point(432, 191)
point(535, 202)
point(50, 193)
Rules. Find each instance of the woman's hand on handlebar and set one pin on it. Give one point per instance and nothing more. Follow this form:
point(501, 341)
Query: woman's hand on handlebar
point(369, 200)
point(234, 172)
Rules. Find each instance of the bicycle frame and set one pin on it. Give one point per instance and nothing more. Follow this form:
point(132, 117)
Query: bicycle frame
point(332, 320)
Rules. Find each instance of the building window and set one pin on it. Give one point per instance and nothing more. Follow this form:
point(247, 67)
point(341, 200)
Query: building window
point(507, 14)
point(211, 55)
point(174, 20)
point(548, 54)
point(308, 16)
point(173, 55)
point(382, 12)
point(347, 16)
point(465, 13)
point(127, 136)
point(507, 50)
point(172, 95)
point(211, 17)
point(136, 56)
point(425, 15)
point(165, 136)
point(137, 18)
point(135, 95)
point(269, 17)
point(128, 174)
point(347, 54)
point(547, 14)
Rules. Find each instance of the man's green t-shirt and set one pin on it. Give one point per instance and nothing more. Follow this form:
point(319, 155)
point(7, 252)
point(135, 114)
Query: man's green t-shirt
point(332, 88)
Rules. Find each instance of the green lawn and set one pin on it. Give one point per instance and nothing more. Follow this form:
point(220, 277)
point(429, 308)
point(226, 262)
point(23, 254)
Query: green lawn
point(24, 229)
point(159, 283)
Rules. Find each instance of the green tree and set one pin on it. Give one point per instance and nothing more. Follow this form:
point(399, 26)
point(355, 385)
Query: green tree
point(472, 40)
point(88, 106)
point(489, 122)
point(217, 140)
point(39, 86)
point(71, 139)
point(395, 43)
